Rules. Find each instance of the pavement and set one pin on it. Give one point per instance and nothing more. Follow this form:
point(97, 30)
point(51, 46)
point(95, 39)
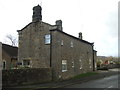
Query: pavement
point(64, 83)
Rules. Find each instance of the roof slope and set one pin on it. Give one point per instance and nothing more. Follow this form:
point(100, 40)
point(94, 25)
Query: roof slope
point(73, 36)
point(10, 50)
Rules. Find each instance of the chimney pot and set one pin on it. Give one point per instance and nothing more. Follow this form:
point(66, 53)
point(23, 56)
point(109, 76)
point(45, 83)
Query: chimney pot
point(59, 24)
point(80, 35)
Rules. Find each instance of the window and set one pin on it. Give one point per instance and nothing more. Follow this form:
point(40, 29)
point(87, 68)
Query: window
point(80, 64)
point(90, 63)
point(26, 63)
point(71, 43)
point(4, 64)
point(73, 64)
point(47, 39)
point(64, 65)
point(62, 43)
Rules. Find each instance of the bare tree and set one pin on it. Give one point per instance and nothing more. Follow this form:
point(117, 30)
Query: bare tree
point(12, 40)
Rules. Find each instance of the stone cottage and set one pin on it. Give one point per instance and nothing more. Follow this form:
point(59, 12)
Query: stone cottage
point(42, 45)
point(8, 56)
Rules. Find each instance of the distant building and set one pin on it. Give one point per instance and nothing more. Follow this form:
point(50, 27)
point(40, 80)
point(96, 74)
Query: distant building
point(8, 56)
point(42, 45)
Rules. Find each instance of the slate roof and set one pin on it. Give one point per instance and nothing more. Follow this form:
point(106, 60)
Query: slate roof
point(58, 31)
point(10, 50)
point(73, 36)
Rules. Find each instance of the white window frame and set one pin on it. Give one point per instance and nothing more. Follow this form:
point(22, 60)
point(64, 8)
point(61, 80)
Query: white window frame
point(47, 39)
point(64, 62)
point(90, 63)
point(80, 61)
point(26, 65)
point(62, 43)
point(73, 64)
point(71, 43)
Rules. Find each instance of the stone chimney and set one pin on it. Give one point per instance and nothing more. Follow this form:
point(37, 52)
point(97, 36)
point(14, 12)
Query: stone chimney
point(37, 14)
point(80, 36)
point(59, 24)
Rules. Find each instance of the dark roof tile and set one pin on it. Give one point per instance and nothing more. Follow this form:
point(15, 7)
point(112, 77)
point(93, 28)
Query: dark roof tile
point(10, 50)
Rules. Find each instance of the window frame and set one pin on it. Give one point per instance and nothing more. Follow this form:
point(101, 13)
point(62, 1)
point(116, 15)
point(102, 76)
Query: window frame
point(24, 64)
point(47, 39)
point(90, 62)
point(80, 61)
point(64, 62)
point(71, 44)
point(62, 42)
point(73, 64)
point(4, 61)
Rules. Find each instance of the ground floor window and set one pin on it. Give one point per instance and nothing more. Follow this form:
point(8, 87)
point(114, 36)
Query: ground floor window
point(4, 64)
point(73, 64)
point(26, 63)
point(80, 63)
point(90, 63)
point(64, 65)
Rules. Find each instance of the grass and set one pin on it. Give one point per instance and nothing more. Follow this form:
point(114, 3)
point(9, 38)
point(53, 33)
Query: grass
point(85, 75)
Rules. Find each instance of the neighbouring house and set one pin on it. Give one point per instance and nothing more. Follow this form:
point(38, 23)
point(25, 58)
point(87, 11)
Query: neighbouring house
point(42, 45)
point(8, 56)
point(107, 61)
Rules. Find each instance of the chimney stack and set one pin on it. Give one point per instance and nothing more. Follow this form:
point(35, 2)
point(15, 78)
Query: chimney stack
point(37, 14)
point(59, 24)
point(80, 36)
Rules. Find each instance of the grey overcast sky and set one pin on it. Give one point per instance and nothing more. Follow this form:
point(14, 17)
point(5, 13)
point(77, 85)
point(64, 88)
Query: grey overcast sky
point(96, 19)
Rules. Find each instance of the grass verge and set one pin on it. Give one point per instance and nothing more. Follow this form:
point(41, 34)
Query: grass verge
point(85, 75)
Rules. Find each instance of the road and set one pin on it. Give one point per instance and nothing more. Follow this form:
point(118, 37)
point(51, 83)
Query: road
point(107, 82)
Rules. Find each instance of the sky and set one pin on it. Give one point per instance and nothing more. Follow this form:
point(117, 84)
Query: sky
point(96, 19)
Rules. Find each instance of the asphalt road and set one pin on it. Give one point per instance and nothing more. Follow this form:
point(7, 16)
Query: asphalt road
point(107, 82)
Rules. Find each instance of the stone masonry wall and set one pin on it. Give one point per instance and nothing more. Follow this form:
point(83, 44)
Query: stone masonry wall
point(81, 54)
point(7, 59)
point(32, 45)
point(26, 76)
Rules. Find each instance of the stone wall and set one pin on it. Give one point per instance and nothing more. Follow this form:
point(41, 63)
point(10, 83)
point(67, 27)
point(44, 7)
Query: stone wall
point(7, 59)
point(26, 76)
point(80, 54)
point(111, 66)
point(32, 44)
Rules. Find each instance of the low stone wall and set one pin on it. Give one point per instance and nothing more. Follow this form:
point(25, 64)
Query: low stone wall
point(26, 76)
point(109, 66)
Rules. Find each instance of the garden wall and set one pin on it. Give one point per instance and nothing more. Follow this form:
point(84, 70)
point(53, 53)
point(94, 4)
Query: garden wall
point(26, 76)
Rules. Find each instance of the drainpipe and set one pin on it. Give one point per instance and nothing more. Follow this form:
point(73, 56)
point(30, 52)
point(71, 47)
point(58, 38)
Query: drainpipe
point(50, 49)
point(93, 57)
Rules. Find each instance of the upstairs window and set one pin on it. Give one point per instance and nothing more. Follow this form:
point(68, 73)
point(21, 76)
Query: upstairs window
point(71, 43)
point(62, 43)
point(47, 39)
